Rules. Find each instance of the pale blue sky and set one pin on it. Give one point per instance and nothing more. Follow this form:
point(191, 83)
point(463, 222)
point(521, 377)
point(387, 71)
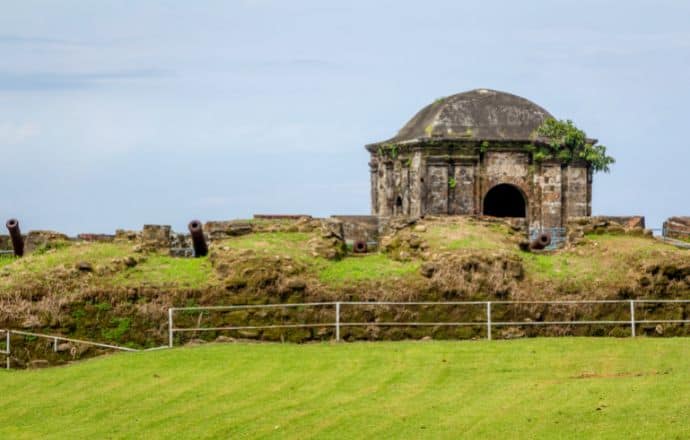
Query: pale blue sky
point(115, 114)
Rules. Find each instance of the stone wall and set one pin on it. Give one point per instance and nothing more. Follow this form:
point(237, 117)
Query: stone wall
point(38, 239)
point(454, 179)
point(577, 180)
point(156, 237)
point(578, 227)
point(103, 238)
point(437, 188)
point(359, 228)
point(464, 194)
point(677, 228)
point(505, 167)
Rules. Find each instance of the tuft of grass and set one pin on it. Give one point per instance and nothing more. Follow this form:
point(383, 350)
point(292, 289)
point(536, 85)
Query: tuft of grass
point(6, 260)
point(520, 389)
point(364, 268)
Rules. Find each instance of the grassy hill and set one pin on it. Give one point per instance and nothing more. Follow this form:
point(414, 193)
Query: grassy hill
point(115, 292)
point(601, 262)
point(534, 388)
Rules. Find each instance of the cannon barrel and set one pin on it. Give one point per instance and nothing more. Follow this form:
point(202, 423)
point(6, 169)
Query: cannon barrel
point(541, 241)
point(360, 247)
point(198, 239)
point(16, 235)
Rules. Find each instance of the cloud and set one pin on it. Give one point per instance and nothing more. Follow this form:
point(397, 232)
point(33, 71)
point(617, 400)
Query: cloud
point(13, 133)
point(68, 81)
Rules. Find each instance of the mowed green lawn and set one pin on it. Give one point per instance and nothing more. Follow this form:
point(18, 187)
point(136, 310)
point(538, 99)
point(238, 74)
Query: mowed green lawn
point(531, 388)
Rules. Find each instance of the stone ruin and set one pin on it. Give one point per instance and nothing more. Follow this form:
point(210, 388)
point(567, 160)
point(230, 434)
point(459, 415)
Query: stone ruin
point(677, 228)
point(467, 154)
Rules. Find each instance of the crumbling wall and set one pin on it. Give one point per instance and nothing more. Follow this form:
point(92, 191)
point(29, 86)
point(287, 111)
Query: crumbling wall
point(577, 197)
point(37, 239)
point(506, 167)
point(463, 192)
point(578, 227)
point(678, 228)
point(437, 187)
point(359, 228)
point(453, 179)
point(551, 197)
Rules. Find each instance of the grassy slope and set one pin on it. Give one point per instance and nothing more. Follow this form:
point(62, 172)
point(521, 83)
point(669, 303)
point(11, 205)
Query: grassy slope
point(294, 244)
point(601, 262)
point(535, 388)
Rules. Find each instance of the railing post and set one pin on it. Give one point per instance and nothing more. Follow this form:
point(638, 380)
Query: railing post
point(7, 348)
point(337, 321)
point(170, 327)
point(55, 345)
point(488, 320)
point(632, 317)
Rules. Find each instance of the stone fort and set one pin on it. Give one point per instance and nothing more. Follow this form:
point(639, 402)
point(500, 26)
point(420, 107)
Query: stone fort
point(469, 154)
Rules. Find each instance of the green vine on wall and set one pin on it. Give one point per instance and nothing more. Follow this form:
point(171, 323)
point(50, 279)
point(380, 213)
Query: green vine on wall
point(566, 143)
point(452, 183)
point(388, 150)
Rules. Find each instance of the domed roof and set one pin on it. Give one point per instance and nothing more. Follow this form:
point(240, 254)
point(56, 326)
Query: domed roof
point(479, 115)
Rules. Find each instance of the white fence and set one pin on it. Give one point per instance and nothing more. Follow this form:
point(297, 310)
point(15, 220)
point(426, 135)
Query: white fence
point(487, 322)
point(337, 322)
point(7, 352)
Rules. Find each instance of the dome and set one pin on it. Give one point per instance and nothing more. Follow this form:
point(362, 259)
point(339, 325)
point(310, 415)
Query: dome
point(478, 115)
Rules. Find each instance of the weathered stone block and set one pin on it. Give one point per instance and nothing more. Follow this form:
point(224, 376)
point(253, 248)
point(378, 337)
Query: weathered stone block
point(37, 239)
point(678, 228)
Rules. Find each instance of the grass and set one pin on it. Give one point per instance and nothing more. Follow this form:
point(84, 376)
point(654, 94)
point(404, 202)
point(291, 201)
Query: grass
point(69, 255)
point(603, 260)
point(533, 388)
point(463, 233)
point(602, 263)
point(6, 259)
point(367, 267)
point(160, 270)
point(353, 268)
point(292, 244)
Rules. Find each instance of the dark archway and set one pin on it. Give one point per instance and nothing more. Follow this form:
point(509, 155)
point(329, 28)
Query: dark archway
point(505, 200)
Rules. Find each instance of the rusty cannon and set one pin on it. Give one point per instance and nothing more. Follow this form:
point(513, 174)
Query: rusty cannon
point(16, 236)
point(542, 240)
point(198, 239)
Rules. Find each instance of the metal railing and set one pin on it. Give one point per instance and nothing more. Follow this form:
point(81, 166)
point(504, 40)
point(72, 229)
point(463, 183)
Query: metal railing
point(338, 323)
point(486, 310)
point(7, 352)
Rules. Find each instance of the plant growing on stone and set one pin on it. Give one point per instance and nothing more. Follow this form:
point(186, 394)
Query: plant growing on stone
point(566, 143)
point(452, 183)
point(388, 150)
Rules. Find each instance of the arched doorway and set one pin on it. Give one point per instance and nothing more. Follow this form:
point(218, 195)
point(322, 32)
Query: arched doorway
point(505, 200)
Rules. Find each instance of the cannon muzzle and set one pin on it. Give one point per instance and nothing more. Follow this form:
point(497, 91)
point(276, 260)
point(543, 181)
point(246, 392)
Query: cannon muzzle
point(542, 240)
point(16, 235)
point(360, 247)
point(198, 239)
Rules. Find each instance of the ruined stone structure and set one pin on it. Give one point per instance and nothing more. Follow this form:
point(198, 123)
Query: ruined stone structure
point(467, 154)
